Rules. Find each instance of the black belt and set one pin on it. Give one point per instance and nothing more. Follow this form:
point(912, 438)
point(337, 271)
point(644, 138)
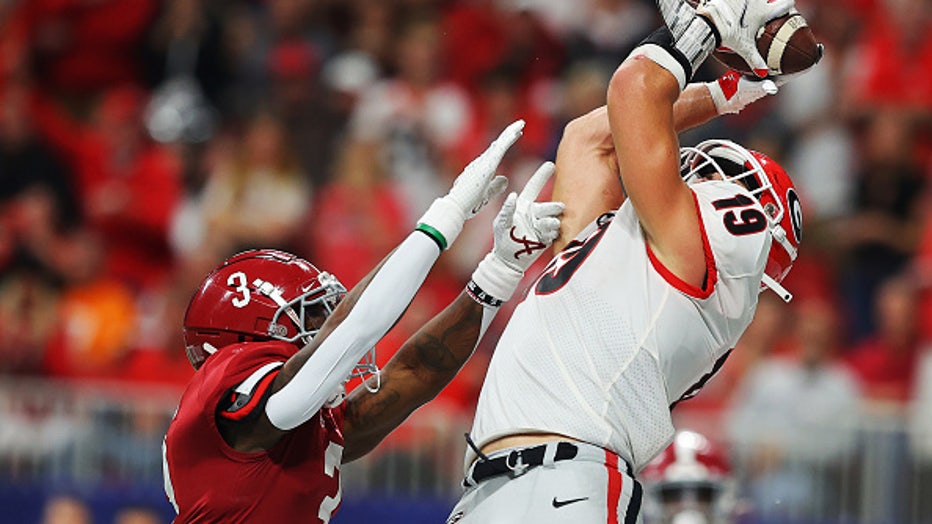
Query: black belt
point(518, 461)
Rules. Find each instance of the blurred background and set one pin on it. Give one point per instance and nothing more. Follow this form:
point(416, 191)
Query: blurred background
point(143, 141)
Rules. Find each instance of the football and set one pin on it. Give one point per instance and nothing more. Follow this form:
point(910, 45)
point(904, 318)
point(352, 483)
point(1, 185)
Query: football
point(786, 43)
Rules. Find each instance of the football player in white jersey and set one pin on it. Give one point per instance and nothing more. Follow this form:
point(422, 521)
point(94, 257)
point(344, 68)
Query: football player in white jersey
point(643, 305)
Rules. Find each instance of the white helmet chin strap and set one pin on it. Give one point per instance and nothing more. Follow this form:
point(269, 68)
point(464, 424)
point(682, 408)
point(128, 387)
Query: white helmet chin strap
point(779, 235)
point(768, 281)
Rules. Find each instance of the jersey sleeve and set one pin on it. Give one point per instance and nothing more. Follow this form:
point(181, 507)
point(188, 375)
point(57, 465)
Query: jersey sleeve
point(736, 229)
point(237, 380)
point(247, 398)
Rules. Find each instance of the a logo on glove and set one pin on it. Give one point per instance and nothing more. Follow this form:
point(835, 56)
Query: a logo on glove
point(530, 246)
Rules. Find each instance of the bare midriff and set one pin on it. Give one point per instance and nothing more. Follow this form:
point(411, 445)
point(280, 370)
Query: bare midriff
point(523, 440)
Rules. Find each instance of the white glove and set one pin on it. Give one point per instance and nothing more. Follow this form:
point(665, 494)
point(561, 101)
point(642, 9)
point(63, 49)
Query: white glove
point(471, 190)
point(733, 91)
point(523, 230)
point(738, 23)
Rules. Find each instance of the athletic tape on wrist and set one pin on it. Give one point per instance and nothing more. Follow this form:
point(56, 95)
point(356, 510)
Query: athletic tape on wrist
point(496, 278)
point(681, 48)
point(696, 42)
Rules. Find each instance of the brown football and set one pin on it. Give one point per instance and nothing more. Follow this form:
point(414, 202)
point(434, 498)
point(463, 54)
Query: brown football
point(786, 43)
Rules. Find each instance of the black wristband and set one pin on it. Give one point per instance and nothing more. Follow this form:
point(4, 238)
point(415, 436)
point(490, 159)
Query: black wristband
point(481, 296)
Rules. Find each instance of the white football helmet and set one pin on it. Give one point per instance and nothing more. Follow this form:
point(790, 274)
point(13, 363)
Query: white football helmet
point(690, 482)
point(769, 183)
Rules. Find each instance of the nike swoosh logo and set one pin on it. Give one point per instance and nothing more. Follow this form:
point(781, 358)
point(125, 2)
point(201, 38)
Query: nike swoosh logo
point(744, 11)
point(561, 503)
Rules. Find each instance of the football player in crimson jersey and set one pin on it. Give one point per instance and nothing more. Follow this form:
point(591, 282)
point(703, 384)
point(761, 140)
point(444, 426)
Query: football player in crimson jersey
point(264, 424)
point(641, 306)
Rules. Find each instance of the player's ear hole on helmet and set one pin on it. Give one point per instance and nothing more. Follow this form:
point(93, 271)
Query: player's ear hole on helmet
point(771, 209)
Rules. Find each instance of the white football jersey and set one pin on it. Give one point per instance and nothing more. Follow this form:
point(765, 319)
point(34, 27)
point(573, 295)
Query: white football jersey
point(607, 339)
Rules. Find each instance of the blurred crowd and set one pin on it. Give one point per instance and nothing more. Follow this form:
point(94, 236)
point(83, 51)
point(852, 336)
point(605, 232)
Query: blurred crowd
point(143, 141)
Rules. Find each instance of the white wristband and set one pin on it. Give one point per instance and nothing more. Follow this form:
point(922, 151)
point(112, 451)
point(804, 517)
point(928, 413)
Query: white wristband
point(495, 279)
point(662, 57)
point(445, 218)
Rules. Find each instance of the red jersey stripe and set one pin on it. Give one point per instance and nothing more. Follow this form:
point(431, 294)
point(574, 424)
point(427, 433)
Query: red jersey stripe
point(677, 282)
point(614, 486)
point(257, 395)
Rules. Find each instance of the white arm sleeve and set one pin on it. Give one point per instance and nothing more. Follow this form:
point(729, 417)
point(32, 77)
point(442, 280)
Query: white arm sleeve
point(378, 308)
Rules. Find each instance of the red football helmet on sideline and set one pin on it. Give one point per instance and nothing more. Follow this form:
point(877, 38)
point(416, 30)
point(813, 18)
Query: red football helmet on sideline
point(260, 295)
point(770, 184)
point(689, 483)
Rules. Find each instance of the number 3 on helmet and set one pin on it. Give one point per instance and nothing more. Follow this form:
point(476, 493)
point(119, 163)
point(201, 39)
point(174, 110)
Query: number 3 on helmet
point(261, 295)
point(773, 188)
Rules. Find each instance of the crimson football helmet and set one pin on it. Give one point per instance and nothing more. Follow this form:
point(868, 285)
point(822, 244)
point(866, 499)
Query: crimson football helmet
point(690, 482)
point(770, 184)
point(261, 295)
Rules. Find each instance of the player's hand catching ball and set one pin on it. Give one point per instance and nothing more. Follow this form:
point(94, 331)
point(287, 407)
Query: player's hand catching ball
point(738, 23)
point(733, 91)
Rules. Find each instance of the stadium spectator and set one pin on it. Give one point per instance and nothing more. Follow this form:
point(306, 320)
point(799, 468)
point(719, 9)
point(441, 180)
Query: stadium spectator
point(82, 48)
point(187, 41)
point(66, 509)
point(358, 217)
point(886, 363)
point(137, 515)
point(257, 196)
point(894, 58)
point(882, 234)
point(416, 117)
point(307, 108)
point(792, 416)
point(128, 185)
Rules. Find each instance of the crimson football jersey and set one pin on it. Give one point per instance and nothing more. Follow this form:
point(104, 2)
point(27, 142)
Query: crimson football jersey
point(206, 480)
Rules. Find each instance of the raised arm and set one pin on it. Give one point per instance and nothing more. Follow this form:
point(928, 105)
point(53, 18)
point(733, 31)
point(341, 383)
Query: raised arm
point(587, 178)
point(430, 359)
point(640, 111)
point(314, 374)
point(641, 96)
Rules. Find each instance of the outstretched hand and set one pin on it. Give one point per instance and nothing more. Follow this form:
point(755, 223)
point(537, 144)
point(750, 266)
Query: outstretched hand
point(525, 228)
point(471, 190)
point(733, 91)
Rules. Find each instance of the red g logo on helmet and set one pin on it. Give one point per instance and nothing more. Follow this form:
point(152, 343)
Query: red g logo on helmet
point(773, 188)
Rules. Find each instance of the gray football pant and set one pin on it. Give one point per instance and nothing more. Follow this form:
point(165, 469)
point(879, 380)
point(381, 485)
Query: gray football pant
point(592, 487)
